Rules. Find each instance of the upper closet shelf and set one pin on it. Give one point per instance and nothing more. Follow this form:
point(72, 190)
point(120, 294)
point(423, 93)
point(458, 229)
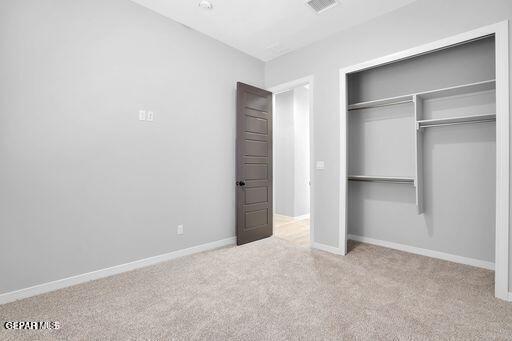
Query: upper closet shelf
point(445, 92)
point(460, 89)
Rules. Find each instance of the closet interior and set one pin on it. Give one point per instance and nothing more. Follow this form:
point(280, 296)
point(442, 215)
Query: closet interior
point(422, 151)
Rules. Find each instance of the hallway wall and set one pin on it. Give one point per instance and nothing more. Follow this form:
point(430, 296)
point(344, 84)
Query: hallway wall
point(291, 153)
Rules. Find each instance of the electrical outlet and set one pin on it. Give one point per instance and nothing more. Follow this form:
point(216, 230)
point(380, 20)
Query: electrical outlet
point(180, 229)
point(320, 165)
point(142, 115)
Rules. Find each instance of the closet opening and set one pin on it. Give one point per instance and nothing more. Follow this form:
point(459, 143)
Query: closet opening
point(426, 134)
point(422, 153)
point(291, 164)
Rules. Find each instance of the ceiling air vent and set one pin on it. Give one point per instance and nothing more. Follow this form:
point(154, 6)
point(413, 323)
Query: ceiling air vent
point(321, 5)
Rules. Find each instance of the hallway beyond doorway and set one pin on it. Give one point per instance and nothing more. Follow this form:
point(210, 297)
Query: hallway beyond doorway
point(293, 230)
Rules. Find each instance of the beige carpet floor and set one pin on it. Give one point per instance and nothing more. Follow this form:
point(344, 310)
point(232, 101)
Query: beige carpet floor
point(275, 290)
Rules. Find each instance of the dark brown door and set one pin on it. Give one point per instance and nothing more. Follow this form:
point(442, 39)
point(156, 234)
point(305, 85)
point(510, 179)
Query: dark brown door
point(253, 164)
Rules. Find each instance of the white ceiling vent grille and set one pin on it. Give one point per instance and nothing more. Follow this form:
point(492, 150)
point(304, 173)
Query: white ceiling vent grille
point(321, 5)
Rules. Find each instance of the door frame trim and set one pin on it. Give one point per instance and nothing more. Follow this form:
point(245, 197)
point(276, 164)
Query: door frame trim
point(501, 33)
point(289, 86)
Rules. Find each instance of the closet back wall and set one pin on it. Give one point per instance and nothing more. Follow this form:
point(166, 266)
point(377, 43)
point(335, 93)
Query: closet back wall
point(84, 184)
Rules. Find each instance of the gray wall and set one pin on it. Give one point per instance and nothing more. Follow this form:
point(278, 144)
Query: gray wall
point(284, 156)
point(301, 150)
point(405, 28)
point(291, 152)
point(84, 184)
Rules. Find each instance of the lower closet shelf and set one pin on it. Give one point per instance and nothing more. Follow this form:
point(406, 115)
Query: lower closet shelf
point(374, 178)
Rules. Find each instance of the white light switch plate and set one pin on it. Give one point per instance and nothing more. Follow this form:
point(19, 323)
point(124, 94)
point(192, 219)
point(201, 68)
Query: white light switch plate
point(320, 165)
point(149, 116)
point(142, 115)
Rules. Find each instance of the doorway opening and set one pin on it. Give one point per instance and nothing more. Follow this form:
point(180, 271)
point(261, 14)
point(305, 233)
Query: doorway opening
point(291, 164)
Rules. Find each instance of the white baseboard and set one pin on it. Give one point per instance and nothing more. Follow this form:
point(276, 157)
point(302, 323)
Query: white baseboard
point(78, 279)
point(425, 252)
point(327, 248)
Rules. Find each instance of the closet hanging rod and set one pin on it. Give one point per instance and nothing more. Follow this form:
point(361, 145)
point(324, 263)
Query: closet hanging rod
point(369, 106)
point(456, 123)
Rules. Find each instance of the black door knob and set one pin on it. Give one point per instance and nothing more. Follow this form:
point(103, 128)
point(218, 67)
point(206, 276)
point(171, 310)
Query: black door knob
point(240, 183)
